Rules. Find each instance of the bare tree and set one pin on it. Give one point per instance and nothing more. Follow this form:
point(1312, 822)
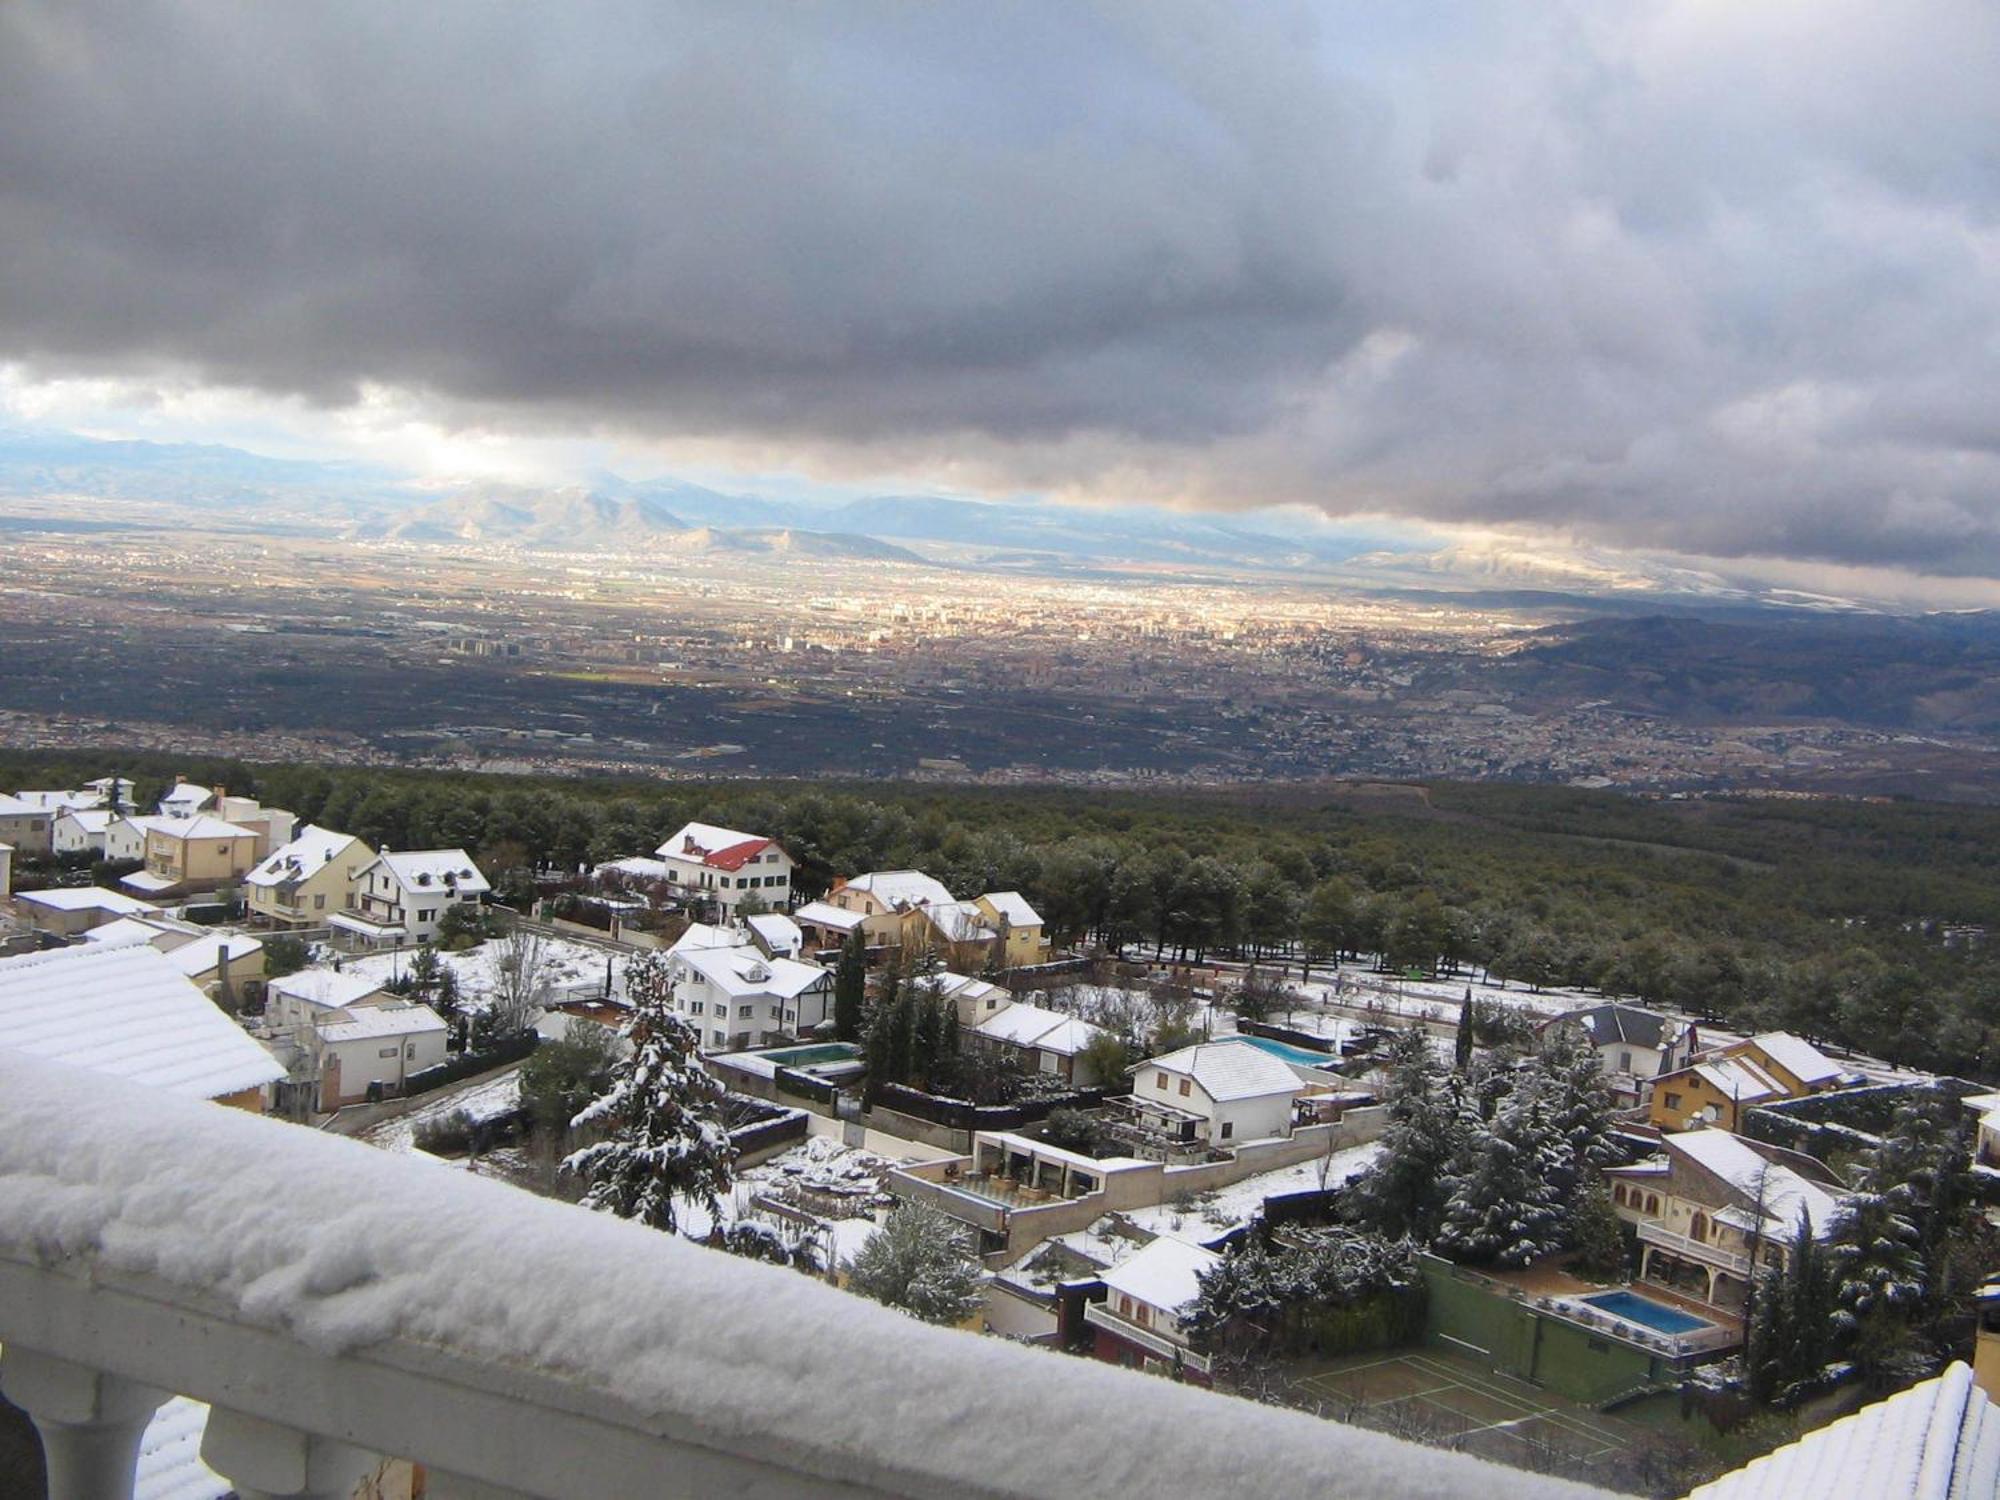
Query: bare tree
point(525, 976)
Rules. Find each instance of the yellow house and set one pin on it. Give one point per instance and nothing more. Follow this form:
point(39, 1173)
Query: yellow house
point(1717, 1088)
point(227, 967)
point(1019, 926)
point(316, 874)
point(193, 854)
point(1715, 1206)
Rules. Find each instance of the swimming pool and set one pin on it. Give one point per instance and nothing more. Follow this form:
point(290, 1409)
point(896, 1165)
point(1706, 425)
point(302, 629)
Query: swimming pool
point(1286, 1052)
point(816, 1056)
point(1656, 1315)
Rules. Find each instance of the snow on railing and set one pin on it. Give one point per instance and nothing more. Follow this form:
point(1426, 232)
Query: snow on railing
point(328, 1298)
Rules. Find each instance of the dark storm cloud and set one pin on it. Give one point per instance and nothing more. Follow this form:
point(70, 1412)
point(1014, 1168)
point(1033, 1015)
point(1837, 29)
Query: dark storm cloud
point(1716, 278)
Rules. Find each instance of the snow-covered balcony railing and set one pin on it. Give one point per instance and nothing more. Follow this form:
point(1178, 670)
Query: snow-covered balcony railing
point(332, 1302)
point(1100, 1316)
point(1714, 1255)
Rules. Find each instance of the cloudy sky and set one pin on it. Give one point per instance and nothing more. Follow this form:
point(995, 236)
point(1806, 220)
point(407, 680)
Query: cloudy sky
point(1720, 279)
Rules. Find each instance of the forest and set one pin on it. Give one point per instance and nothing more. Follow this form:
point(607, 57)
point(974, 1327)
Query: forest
point(1861, 924)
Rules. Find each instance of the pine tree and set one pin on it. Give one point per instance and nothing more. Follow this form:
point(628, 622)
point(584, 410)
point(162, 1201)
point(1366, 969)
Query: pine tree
point(1462, 1047)
point(1402, 1194)
point(1579, 1105)
point(1878, 1276)
point(664, 1136)
point(850, 987)
point(1791, 1327)
point(920, 1262)
point(1594, 1230)
point(1501, 1203)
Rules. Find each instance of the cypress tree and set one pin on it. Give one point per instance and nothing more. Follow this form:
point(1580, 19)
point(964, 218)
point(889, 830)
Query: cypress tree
point(850, 987)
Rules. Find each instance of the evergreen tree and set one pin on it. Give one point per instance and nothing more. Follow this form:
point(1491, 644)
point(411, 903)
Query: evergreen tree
point(1789, 1337)
point(1571, 1085)
point(850, 987)
point(920, 1262)
point(1878, 1276)
point(1501, 1202)
point(1462, 1050)
point(664, 1136)
point(1595, 1231)
point(1402, 1194)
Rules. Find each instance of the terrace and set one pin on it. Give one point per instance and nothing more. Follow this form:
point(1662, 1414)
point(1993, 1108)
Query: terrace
point(334, 1304)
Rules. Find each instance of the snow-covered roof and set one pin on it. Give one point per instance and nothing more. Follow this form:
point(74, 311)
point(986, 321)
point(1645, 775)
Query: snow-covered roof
point(744, 971)
point(823, 914)
point(146, 880)
point(313, 849)
point(393, 1018)
point(965, 987)
point(186, 795)
point(170, 1466)
point(1939, 1440)
point(901, 888)
point(434, 870)
point(60, 802)
point(89, 819)
point(718, 848)
point(127, 1011)
point(14, 807)
point(700, 935)
point(1799, 1057)
point(1230, 1070)
point(1034, 1026)
point(1741, 1079)
point(328, 989)
point(1014, 907)
point(148, 929)
point(1163, 1273)
point(779, 932)
point(242, 1212)
point(1784, 1190)
point(205, 953)
point(85, 898)
point(201, 826)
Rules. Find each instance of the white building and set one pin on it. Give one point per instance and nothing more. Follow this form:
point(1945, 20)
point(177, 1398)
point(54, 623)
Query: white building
point(736, 996)
point(991, 1020)
point(80, 829)
point(403, 896)
point(298, 1002)
point(1218, 1092)
point(6, 870)
point(727, 866)
point(375, 1044)
point(125, 837)
point(1141, 1321)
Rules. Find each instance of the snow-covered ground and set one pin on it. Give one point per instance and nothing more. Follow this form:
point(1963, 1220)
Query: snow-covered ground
point(477, 969)
point(481, 1099)
point(1216, 1212)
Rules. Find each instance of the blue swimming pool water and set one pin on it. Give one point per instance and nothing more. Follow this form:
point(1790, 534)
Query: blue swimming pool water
point(807, 1057)
point(1288, 1053)
point(1637, 1309)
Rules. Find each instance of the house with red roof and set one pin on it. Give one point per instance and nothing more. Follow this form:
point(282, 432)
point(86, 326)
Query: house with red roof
point(727, 866)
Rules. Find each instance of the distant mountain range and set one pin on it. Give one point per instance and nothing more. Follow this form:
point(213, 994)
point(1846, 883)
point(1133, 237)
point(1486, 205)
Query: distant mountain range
point(247, 491)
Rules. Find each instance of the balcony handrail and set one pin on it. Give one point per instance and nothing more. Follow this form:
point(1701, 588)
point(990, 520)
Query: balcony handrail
point(1103, 1317)
point(1672, 1239)
point(531, 1347)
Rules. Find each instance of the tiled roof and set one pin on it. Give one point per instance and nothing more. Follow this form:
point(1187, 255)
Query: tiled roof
point(1939, 1440)
point(127, 1011)
point(718, 848)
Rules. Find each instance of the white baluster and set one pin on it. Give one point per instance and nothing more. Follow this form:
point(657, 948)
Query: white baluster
point(90, 1423)
point(266, 1461)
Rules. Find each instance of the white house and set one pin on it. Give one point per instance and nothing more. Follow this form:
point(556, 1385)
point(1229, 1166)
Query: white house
point(317, 874)
point(184, 799)
point(80, 829)
point(736, 996)
point(403, 896)
point(991, 1020)
point(1218, 1092)
point(6, 870)
point(1634, 1046)
point(728, 866)
point(375, 1044)
point(298, 1002)
point(1141, 1323)
point(25, 825)
point(128, 1011)
point(776, 934)
point(69, 911)
point(125, 837)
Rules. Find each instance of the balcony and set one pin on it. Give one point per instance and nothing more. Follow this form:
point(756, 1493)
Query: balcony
point(334, 1304)
point(1100, 1316)
point(1701, 1250)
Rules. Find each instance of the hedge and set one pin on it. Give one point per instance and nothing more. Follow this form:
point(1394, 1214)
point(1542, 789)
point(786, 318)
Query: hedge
point(466, 1064)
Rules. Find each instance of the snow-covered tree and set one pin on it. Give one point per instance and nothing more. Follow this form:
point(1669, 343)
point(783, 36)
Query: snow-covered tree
point(1502, 1205)
point(664, 1137)
point(1579, 1106)
point(1594, 1232)
point(1403, 1193)
point(1790, 1333)
point(1269, 1297)
point(920, 1261)
point(1878, 1273)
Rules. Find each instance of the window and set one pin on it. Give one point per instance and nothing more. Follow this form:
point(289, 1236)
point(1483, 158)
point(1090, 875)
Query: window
point(1228, 1129)
point(694, 1007)
point(1185, 1088)
point(1159, 1079)
point(1145, 1316)
point(1624, 1062)
point(991, 1002)
point(720, 1039)
point(1652, 1203)
point(425, 913)
point(1124, 1305)
point(386, 1052)
point(1673, 1101)
point(410, 1049)
point(319, 902)
point(744, 1012)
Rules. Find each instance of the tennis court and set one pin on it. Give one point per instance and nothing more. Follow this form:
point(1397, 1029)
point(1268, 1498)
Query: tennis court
point(1479, 1411)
